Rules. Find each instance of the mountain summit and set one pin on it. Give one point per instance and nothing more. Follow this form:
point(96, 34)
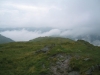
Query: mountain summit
point(50, 56)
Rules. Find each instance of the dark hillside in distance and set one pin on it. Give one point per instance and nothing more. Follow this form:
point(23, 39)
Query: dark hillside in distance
point(51, 39)
point(4, 39)
point(49, 56)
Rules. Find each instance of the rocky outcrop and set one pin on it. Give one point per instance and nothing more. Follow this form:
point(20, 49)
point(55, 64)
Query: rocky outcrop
point(74, 73)
point(93, 69)
point(62, 64)
point(46, 48)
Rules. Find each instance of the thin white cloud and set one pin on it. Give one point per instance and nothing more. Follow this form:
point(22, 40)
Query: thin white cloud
point(25, 35)
point(84, 33)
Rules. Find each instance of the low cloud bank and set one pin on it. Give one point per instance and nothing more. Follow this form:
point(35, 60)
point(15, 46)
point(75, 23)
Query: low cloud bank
point(87, 34)
point(25, 35)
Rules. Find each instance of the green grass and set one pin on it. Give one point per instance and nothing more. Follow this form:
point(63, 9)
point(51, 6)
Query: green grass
point(19, 58)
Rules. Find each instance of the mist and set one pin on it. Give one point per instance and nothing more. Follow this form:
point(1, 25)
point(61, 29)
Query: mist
point(75, 34)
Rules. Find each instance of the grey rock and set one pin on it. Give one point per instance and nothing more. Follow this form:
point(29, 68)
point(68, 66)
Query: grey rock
point(58, 63)
point(86, 59)
point(45, 49)
point(99, 66)
point(93, 68)
point(74, 73)
point(43, 66)
point(62, 64)
point(38, 51)
point(69, 69)
point(89, 72)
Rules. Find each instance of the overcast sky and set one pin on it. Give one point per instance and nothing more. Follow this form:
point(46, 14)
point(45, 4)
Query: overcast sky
point(76, 17)
point(49, 13)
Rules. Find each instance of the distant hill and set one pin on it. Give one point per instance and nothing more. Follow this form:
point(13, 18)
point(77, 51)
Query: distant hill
point(4, 39)
point(93, 39)
point(51, 39)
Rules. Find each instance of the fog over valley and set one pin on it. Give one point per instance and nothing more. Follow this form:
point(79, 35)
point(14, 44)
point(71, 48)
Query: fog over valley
point(26, 34)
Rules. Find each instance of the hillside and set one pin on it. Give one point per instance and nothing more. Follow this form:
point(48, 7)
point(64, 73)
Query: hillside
point(4, 39)
point(49, 56)
point(51, 39)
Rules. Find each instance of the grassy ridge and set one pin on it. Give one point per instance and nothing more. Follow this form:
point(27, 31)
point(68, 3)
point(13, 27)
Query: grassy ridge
point(19, 58)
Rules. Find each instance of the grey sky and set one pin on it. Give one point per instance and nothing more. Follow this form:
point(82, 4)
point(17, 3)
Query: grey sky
point(50, 13)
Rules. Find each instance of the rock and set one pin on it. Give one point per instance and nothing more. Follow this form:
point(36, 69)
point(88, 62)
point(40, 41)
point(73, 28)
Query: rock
point(60, 70)
point(38, 51)
point(58, 63)
point(54, 70)
point(45, 49)
point(97, 67)
point(93, 68)
point(69, 69)
point(89, 72)
point(62, 64)
point(43, 66)
point(74, 73)
point(68, 56)
point(86, 59)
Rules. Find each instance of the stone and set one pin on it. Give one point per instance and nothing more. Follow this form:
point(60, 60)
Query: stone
point(86, 59)
point(93, 68)
point(45, 49)
point(89, 72)
point(58, 63)
point(69, 69)
point(43, 66)
point(74, 73)
point(38, 51)
point(97, 67)
point(62, 64)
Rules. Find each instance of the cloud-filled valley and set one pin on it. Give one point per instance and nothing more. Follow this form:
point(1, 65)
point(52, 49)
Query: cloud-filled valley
point(24, 34)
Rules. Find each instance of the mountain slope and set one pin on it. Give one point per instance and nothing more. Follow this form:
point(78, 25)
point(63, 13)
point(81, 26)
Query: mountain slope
point(51, 39)
point(4, 39)
point(93, 39)
point(49, 57)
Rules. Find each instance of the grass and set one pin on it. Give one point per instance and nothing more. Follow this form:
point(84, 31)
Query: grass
point(19, 58)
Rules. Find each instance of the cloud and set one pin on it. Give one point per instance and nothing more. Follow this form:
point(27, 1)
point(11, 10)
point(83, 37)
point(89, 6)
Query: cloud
point(49, 13)
point(25, 35)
